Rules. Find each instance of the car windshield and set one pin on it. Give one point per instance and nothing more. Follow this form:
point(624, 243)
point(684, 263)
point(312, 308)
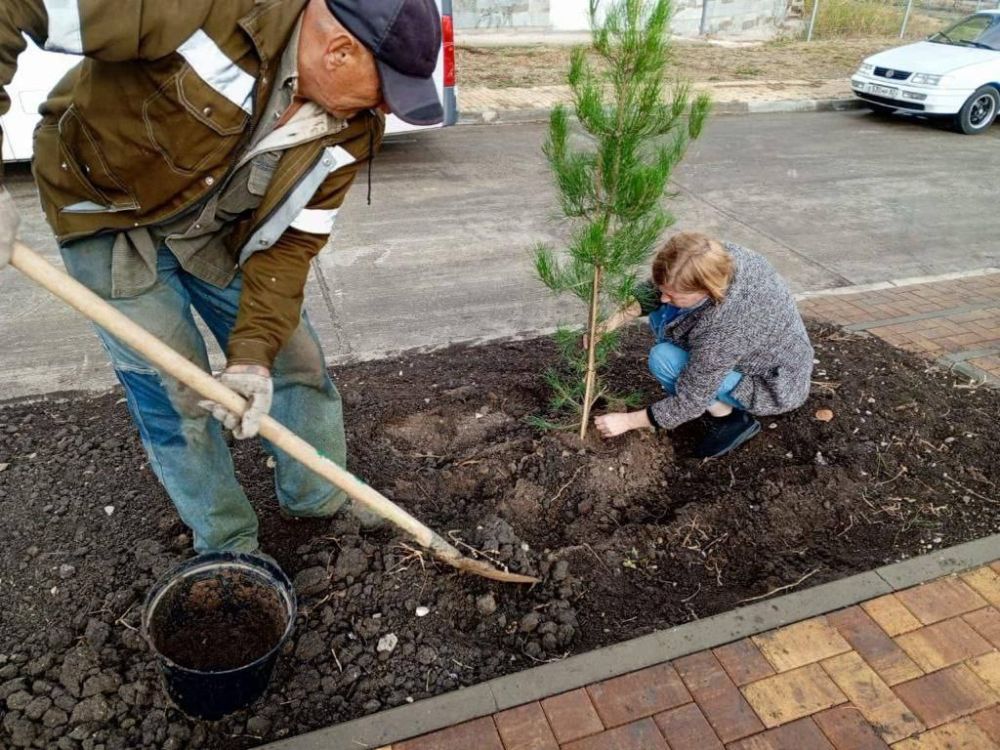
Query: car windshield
point(981, 30)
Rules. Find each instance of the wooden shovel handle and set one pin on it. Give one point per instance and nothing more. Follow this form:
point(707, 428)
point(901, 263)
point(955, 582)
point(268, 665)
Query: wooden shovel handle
point(39, 270)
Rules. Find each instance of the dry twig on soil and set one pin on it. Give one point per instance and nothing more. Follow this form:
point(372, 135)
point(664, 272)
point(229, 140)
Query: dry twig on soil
point(808, 575)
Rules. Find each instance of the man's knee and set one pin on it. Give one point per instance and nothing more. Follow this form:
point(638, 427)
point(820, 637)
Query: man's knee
point(301, 359)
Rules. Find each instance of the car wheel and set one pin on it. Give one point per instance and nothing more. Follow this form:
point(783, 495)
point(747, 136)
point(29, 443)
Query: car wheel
point(979, 111)
point(880, 109)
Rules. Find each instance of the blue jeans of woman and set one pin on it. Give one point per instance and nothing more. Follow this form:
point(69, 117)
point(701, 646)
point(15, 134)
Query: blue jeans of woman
point(186, 447)
point(667, 360)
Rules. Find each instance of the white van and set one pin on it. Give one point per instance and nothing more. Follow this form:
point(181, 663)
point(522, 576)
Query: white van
point(38, 71)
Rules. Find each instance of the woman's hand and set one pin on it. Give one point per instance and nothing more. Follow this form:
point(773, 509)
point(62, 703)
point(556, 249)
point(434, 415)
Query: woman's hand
point(610, 425)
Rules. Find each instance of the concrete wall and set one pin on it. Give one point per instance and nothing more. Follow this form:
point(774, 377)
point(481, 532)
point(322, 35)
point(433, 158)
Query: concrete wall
point(724, 18)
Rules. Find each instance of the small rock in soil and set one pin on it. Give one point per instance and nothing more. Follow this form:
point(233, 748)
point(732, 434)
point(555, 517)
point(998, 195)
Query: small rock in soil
point(92, 709)
point(18, 701)
point(486, 604)
point(106, 682)
point(426, 655)
point(387, 643)
point(21, 731)
point(37, 707)
point(258, 726)
point(351, 562)
point(97, 633)
point(310, 646)
point(66, 571)
point(54, 717)
point(311, 581)
point(529, 622)
point(12, 686)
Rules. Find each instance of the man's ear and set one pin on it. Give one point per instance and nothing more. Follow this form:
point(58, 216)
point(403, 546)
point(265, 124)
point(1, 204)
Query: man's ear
point(339, 49)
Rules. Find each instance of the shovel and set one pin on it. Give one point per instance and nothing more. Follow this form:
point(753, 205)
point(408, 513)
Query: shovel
point(167, 360)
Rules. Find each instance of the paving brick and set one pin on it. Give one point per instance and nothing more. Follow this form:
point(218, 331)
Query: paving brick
point(525, 728)
point(744, 662)
point(718, 697)
point(480, 734)
point(940, 600)
point(633, 696)
point(986, 622)
point(687, 727)
point(959, 735)
point(798, 735)
point(792, 695)
point(847, 729)
point(874, 646)
point(891, 615)
point(800, 644)
point(943, 644)
point(572, 715)
point(639, 735)
point(986, 582)
point(989, 722)
point(947, 695)
point(872, 697)
point(987, 667)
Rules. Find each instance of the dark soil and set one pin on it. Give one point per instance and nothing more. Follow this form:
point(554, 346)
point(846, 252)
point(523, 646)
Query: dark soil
point(217, 623)
point(628, 534)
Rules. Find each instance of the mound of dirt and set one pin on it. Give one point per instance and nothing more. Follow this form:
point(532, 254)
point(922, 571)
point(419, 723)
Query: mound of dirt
point(627, 534)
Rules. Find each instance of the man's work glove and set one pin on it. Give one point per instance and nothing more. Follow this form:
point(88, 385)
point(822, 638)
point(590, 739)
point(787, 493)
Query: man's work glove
point(253, 382)
point(10, 219)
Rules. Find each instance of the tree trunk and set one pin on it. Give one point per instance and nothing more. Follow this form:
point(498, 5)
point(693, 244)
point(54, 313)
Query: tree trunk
point(588, 394)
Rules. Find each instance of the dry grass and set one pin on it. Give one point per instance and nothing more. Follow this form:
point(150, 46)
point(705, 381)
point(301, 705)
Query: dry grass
point(865, 19)
point(540, 65)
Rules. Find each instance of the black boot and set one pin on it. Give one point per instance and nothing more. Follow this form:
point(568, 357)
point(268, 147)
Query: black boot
point(722, 434)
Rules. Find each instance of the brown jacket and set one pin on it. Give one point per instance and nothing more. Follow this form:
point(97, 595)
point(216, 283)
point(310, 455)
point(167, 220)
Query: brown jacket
point(157, 115)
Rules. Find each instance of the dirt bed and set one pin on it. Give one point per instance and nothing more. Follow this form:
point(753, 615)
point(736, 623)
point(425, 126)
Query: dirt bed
point(545, 65)
point(628, 535)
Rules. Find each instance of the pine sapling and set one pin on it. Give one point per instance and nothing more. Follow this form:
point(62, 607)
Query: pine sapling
point(612, 174)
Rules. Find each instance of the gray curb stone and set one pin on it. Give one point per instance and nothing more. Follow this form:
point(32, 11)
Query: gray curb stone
point(499, 694)
point(515, 116)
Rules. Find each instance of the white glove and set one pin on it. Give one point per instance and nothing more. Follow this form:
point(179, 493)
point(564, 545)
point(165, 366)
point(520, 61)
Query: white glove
point(10, 219)
point(253, 382)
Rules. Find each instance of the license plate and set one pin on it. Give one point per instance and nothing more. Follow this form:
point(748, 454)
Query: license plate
point(886, 91)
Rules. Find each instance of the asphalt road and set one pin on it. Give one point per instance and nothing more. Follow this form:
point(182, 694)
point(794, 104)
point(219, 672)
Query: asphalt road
point(443, 253)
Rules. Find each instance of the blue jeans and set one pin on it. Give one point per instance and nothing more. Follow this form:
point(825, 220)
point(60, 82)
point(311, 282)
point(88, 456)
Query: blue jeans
point(186, 447)
point(667, 360)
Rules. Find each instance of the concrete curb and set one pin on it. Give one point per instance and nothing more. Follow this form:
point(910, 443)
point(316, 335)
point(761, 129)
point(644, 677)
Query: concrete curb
point(516, 116)
point(401, 723)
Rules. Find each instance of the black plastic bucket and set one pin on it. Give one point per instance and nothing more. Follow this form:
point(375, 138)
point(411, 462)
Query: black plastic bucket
point(216, 624)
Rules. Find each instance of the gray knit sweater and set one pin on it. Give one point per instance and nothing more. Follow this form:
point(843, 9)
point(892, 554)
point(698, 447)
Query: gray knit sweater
point(756, 330)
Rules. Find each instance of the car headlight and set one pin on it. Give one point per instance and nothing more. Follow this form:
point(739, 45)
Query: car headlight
point(865, 68)
point(926, 79)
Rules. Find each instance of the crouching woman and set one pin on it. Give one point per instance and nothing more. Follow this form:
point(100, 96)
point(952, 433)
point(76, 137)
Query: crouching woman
point(729, 342)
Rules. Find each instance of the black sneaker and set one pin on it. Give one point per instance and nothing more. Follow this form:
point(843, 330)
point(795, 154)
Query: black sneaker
point(722, 434)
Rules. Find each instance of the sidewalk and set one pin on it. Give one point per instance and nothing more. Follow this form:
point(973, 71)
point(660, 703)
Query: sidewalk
point(955, 322)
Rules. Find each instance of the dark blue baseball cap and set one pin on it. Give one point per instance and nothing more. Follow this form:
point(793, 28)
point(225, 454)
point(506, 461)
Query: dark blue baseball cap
point(405, 38)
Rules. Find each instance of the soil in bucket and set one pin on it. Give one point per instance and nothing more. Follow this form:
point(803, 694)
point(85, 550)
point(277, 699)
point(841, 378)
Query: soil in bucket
point(217, 623)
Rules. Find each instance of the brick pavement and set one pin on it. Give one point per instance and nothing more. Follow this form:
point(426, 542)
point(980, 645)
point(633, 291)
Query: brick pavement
point(914, 670)
point(955, 322)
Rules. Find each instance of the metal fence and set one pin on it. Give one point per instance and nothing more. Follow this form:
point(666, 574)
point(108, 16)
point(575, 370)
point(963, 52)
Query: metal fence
point(906, 19)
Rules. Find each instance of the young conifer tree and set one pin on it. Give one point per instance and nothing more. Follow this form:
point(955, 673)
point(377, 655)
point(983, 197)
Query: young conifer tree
point(612, 174)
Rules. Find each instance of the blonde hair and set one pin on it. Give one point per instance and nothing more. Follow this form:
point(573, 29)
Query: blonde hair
point(694, 262)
